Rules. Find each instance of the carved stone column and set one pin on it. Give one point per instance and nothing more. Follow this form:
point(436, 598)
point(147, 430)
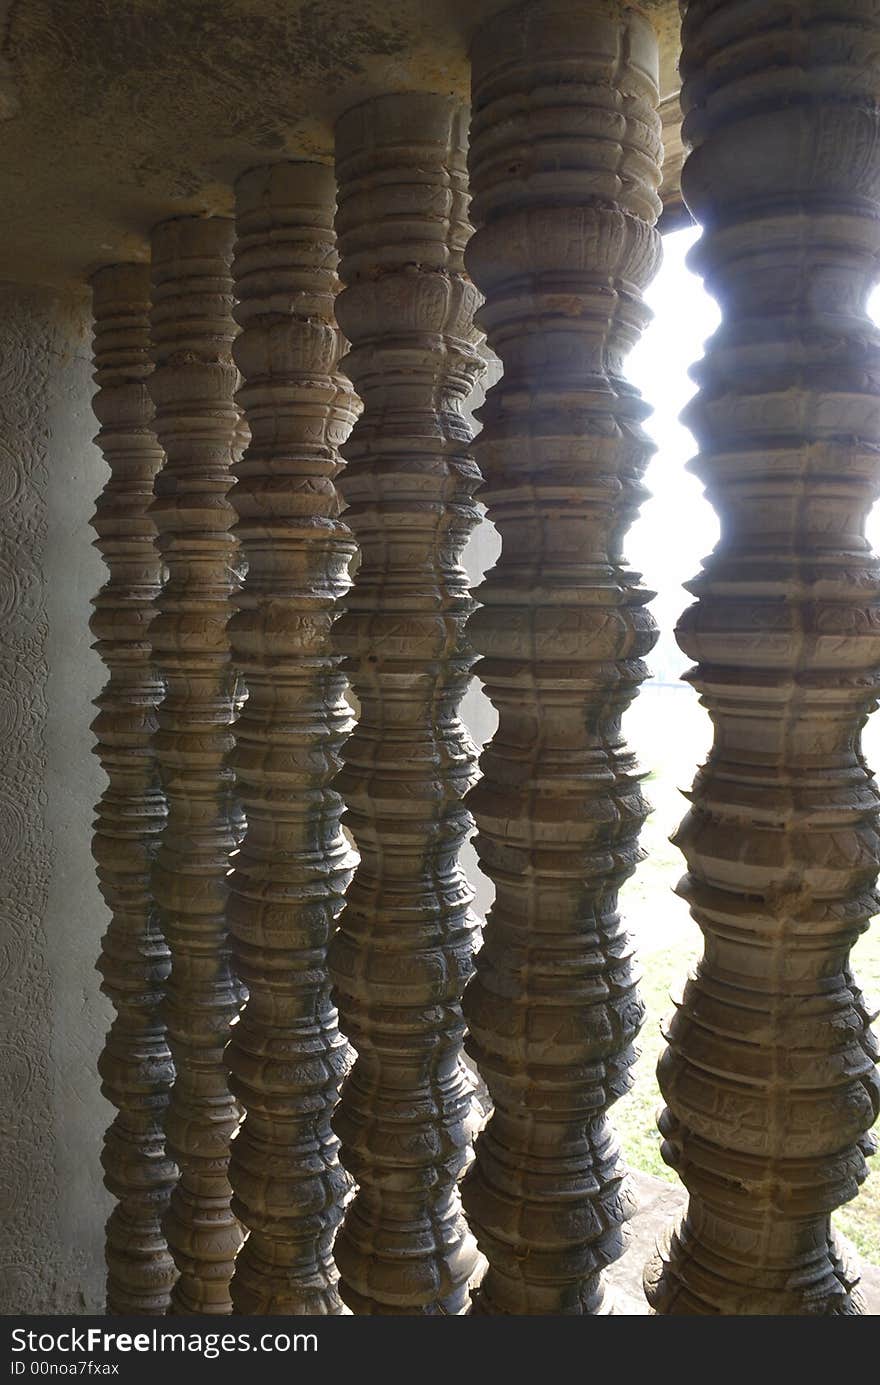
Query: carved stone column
point(287, 1056)
point(769, 1075)
point(193, 389)
point(135, 1067)
point(565, 165)
point(404, 948)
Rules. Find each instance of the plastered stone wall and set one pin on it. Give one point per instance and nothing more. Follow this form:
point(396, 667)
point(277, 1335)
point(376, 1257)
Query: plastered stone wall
point(52, 1015)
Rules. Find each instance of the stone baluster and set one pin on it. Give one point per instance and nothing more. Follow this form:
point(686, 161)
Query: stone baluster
point(769, 1075)
point(193, 389)
point(135, 1067)
point(565, 165)
point(405, 943)
point(287, 1056)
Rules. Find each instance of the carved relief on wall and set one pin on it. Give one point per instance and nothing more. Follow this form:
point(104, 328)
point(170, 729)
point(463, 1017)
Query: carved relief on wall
point(35, 333)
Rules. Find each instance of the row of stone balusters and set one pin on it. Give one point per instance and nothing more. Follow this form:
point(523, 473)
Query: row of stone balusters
point(168, 822)
point(564, 167)
point(242, 317)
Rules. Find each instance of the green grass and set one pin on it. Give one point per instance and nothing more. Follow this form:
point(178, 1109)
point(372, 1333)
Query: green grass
point(672, 734)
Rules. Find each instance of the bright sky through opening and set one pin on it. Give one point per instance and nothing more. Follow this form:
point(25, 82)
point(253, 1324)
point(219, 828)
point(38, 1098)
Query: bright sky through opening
point(677, 527)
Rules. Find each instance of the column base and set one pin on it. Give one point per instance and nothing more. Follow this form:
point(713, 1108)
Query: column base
point(685, 1278)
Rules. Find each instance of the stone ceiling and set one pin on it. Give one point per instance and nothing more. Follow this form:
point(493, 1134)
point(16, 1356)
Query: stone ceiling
point(117, 113)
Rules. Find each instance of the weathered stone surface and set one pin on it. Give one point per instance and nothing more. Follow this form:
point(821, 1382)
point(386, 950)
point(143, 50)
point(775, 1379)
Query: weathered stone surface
point(286, 1056)
point(769, 1076)
point(164, 102)
point(565, 155)
point(405, 944)
point(197, 422)
point(136, 1067)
